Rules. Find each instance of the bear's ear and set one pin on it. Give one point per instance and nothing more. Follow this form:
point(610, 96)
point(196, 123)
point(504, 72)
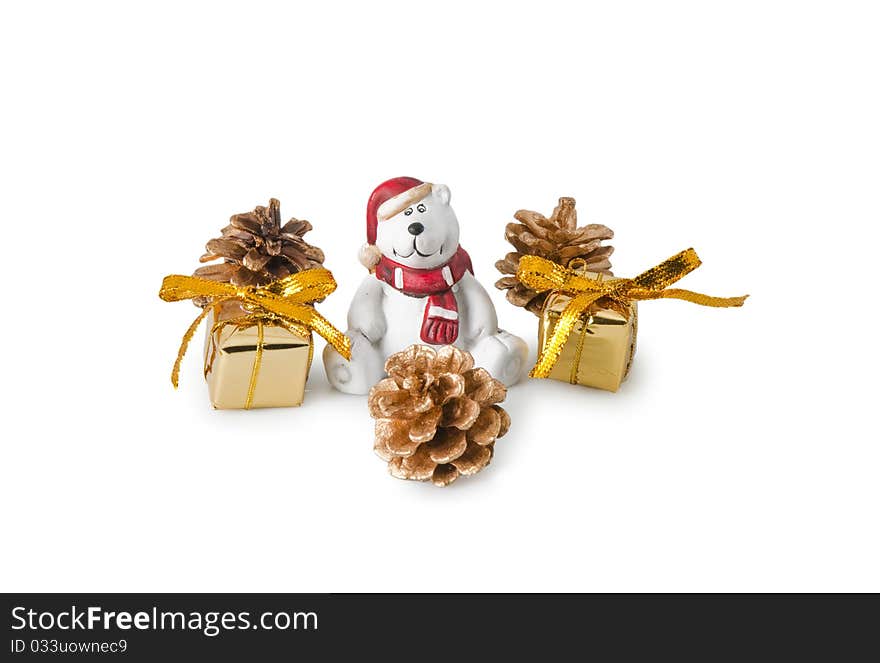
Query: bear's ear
point(442, 192)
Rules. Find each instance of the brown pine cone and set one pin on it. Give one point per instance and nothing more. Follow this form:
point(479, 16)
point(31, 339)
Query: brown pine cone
point(436, 415)
point(558, 239)
point(256, 249)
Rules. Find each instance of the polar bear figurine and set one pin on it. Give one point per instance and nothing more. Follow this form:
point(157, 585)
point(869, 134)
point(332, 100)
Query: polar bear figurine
point(421, 289)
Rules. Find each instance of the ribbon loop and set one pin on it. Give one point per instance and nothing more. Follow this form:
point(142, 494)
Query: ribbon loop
point(287, 301)
point(541, 275)
point(668, 272)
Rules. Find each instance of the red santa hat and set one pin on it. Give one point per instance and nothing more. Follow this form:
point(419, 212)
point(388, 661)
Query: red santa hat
point(387, 200)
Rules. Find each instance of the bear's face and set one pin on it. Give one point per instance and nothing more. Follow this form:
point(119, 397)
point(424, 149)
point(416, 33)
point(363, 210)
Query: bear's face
point(424, 235)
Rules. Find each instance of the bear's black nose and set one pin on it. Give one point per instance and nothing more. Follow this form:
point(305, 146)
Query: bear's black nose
point(416, 228)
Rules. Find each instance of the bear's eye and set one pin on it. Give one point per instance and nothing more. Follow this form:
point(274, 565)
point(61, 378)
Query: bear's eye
point(421, 208)
point(408, 212)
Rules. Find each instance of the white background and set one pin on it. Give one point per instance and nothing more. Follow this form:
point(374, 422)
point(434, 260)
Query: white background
point(741, 455)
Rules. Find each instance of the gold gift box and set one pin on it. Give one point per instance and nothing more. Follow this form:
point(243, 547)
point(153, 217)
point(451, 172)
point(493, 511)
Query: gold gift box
point(600, 349)
point(233, 360)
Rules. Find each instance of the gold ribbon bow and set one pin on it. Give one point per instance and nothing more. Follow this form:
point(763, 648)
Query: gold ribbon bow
point(540, 274)
point(285, 302)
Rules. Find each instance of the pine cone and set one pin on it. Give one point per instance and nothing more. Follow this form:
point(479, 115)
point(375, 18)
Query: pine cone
point(558, 239)
point(436, 415)
point(256, 249)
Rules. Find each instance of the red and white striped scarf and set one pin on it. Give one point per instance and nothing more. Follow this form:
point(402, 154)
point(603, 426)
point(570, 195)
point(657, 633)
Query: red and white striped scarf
point(440, 321)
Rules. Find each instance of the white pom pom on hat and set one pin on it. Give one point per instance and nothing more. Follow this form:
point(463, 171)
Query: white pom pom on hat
point(369, 255)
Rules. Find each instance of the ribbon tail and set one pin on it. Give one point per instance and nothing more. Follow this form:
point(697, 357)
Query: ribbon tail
point(187, 337)
point(308, 316)
point(340, 342)
point(701, 299)
point(218, 326)
point(553, 347)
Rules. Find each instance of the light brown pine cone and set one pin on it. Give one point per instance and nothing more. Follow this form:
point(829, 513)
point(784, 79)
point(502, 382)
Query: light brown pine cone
point(256, 249)
point(557, 239)
point(436, 415)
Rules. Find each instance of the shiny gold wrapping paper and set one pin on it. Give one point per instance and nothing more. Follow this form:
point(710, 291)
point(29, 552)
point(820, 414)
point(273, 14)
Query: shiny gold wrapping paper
point(231, 354)
point(601, 347)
